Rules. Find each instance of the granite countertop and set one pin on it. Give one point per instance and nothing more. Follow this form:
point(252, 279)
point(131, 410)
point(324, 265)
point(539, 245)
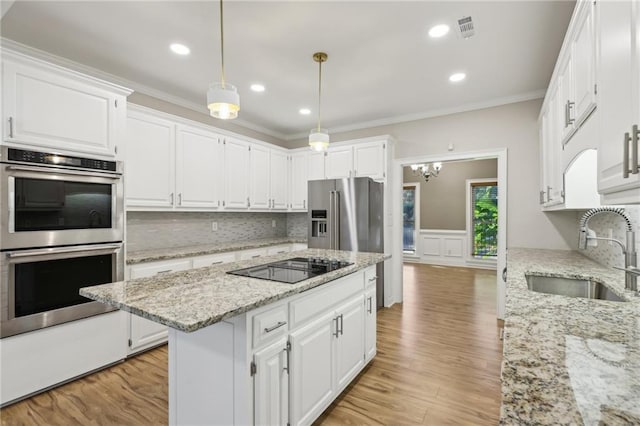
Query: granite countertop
point(194, 299)
point(569, 361)
point(134, 257)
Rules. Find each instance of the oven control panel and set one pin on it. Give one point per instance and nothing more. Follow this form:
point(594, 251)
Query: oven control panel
point(24, 156)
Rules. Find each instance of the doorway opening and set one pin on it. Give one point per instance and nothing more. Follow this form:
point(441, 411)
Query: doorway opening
point(478, 237)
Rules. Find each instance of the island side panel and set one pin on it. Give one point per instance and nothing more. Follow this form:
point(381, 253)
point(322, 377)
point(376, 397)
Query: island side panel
point(201, 379)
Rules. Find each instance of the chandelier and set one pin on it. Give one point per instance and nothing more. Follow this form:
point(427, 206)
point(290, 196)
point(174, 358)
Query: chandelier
point(427, 171)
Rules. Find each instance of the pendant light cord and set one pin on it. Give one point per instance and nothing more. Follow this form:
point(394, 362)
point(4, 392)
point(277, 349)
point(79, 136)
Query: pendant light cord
point(319, 90)
point(221, 43)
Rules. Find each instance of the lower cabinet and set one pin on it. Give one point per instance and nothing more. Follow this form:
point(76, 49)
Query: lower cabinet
point(370, 328)
point(349, 342)
point(271, 384)
point(312, 369)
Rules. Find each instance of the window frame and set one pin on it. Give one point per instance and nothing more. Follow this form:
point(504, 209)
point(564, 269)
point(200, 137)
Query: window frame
point(470, 183)
point(416, 212)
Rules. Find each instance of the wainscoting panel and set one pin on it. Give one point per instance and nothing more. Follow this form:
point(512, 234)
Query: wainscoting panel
point(442, 247)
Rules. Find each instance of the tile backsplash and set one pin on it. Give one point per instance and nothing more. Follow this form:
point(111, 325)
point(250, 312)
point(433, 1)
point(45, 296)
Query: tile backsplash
point(611, 254)
point(151, 230)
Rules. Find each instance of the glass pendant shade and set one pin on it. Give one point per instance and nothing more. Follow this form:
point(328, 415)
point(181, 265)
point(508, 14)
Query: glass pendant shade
point(223, 101)
point(319, 139)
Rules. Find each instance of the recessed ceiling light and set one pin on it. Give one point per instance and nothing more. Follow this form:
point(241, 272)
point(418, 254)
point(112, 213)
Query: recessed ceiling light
point(439, 31)
point(257, 87)
point(457, 77)
point(305, 111)
point(179, 49)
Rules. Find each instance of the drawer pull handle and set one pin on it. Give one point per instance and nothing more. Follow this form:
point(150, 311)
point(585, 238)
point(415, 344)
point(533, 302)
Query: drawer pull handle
point(372, 279)
point(255, 255)
point(274, 327)
point(164, 272)
point(217, 262)
point(370, 304)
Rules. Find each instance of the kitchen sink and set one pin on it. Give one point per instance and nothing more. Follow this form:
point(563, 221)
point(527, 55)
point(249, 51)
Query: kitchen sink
point(572, 287)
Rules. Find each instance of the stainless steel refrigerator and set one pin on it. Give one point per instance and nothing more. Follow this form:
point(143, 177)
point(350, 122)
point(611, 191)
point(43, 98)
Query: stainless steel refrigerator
point(347, 214)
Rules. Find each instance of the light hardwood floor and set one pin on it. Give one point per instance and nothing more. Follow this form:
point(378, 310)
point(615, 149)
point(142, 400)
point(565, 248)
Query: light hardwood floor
point(438, 363)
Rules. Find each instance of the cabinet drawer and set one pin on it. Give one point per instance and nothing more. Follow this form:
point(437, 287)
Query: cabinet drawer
point(214, 259)
point(370, 276)
point(252, 254)
point(156, 268)
point(269, 325)
point(307, 307)
point(278, 249)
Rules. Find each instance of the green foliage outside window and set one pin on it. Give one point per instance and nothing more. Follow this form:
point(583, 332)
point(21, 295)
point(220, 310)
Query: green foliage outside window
point(485, 220)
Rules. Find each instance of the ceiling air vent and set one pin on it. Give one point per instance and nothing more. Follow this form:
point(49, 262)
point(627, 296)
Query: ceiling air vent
point(465, 25)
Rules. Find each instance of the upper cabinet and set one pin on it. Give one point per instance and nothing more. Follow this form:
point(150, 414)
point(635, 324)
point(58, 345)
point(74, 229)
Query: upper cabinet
point(339, 162)
point(170, 166)
point(259, 171)
point(569, 119)
point(299, 179)
point(619, 101)
point(51, 108)
point(317, 165)
point(236, 175)
point(279, 179)
point(370, 160)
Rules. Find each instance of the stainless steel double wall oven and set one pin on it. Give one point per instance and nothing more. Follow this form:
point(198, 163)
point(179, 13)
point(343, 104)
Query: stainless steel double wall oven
point(62, 228)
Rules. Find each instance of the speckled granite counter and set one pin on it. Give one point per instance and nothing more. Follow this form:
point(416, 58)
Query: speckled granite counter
point(142, 256)
point(569, 361)
point(190, 300)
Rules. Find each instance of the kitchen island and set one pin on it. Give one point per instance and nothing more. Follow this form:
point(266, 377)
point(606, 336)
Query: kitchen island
point(244, 350)
point(569, 360)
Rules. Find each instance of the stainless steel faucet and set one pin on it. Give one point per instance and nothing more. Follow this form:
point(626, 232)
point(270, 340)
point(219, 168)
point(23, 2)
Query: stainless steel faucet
point(629, 251)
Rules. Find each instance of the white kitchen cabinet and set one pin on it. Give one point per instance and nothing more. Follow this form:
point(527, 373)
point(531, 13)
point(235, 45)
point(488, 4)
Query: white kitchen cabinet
point(252, 254)
point(583, 56)
point(339, 162)
point(271, 385)
point(278, 181)
point(565, 98)
point(349, 345)
point(551, 150)
point(150, 165)
point(236, 175)
point(312, 369)
point(213, 259)
point(299, 180)
point(369, 160)
point(316, 162)
point(259, 172)
point(198, 164)
point(50, 108)
point(144, 333)
point(285, 248)
point(618, 101)
point(370, 327)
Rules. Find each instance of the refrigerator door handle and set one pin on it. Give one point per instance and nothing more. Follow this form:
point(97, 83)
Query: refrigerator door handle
point(336, 220)
point(331, 222)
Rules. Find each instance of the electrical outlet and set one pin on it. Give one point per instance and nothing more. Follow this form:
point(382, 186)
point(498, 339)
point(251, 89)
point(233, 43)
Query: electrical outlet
point(214, 226)
point(273, 223)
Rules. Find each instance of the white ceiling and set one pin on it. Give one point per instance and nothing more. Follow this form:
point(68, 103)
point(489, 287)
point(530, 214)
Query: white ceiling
point(382, 66)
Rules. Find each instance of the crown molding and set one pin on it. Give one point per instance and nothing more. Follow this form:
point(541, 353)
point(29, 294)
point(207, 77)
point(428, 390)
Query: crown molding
point(522, 97)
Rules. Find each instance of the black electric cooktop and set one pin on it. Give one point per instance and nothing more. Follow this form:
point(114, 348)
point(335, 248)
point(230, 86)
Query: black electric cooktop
point(291, 271)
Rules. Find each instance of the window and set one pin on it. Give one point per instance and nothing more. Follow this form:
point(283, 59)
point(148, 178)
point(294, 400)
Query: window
point(410, 208)
point(484, 219)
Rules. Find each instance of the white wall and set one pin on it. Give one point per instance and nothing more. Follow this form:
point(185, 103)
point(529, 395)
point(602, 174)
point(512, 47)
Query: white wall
point(514, 126)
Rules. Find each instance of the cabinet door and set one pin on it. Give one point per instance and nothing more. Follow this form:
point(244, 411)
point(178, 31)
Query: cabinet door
point(259, 173)
point(316, 165)
point(279, 172)
point(583, 55)
point(339, 163)
point(565, 97)
point(369, 160)
point(312, 369)
point(198, 164)
point(53, 110)
point(150, 163)
point(236, 175)
point(271, 385)
point(551, 150)
point(144, 333)
point(350, 342)
point(618, 73)
point(370, 324)
point(299, 178)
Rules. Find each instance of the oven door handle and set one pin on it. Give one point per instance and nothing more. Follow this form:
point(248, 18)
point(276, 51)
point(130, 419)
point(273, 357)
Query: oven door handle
point(65, 172)
point(55, 251)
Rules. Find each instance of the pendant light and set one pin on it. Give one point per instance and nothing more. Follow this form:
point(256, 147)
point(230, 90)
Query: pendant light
point(319, 137)
point(223, 100)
